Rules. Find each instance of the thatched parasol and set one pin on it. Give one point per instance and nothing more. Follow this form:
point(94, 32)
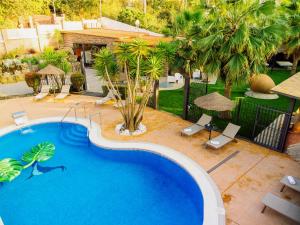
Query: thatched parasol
point(55, 74)
point(214, 101)
point(51, 70)
point(289, 87)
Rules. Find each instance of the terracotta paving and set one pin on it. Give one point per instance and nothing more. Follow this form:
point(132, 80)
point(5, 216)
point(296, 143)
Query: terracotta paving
point(242, 181)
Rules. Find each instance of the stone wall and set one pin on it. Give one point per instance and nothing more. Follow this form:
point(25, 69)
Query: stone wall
point(34, 38)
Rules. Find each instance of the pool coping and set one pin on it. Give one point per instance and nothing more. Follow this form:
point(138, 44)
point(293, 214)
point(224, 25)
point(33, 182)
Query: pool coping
point(214, 211)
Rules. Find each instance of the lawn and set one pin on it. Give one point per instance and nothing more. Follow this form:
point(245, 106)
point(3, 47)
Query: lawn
point(248, 115)
point(171, 101)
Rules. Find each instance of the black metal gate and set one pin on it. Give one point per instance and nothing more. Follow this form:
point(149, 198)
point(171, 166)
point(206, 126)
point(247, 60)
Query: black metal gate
point(270, 127)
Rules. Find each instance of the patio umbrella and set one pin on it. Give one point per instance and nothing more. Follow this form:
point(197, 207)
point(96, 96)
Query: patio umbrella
point(54, 73)
point(214, 101)
point(51, 70)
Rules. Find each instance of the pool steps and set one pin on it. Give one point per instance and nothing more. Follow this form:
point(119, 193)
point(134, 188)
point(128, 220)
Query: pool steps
point(1, 221)
point(75, 136)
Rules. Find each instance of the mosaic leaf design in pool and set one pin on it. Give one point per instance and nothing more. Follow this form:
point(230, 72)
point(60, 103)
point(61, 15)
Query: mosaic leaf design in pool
point(9, 169)
point(39, 153)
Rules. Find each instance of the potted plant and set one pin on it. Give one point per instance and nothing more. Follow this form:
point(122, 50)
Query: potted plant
point(77, 80)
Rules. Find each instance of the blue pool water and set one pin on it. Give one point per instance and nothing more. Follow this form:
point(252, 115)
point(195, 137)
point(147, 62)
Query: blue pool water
point(166, 84)
point(99, 186)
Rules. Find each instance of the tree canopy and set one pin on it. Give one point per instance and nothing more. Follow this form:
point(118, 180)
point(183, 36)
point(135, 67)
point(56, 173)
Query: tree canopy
point(158, 14)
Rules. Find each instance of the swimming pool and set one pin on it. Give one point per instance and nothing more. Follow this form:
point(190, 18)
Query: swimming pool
point(98, 186)
point(165, 84)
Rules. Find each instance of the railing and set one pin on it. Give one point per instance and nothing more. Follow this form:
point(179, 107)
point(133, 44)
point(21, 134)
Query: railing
point(93, 115)
point(74, 107)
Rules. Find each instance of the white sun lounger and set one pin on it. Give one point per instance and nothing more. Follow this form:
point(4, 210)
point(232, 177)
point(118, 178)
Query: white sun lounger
point(171, 79)
point(282, 206)
point(197, 127)
point(44, 92)
point(196, 74)
point(285, 182)
point(107, 98)
point(227, 136)
point(294, 151)
point(20, 118)
point(120, 104)
point(65, 91)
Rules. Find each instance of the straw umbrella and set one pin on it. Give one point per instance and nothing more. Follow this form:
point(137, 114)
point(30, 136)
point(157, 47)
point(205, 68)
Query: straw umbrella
point(214, 101)
point(54, 73)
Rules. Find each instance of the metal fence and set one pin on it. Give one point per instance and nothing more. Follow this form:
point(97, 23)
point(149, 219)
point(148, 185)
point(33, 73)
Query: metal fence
point(263, 125)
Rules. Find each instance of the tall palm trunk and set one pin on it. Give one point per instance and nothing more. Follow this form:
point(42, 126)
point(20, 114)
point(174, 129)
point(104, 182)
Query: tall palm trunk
point(145, 6)
point(156, 94)
point(296, 57)
point(186, 96)
point(227, 93)
point(227, 90)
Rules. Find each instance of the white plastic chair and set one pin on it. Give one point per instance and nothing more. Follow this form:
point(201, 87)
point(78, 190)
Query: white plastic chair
point(196, 74)
point(20, 118)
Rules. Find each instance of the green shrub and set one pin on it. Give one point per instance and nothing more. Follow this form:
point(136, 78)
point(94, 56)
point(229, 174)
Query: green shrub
point(105, 90)
point(56, 58)
point(30, 60)
point(33, 80)
point(77, 80)
point(14, 53)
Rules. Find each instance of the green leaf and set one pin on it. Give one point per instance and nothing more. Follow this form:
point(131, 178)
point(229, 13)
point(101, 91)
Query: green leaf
point(39, 153)
point(267, 7)
point(236, 65)
point(9, 169)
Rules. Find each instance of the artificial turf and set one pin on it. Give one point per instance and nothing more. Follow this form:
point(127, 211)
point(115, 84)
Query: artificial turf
point(172, 100)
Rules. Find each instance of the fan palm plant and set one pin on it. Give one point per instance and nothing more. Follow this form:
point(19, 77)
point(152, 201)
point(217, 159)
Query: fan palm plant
point(140, 66)
point(185, 58)
point(292, 43)
point(237, 38)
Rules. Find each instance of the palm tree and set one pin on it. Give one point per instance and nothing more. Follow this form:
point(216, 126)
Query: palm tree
point(186, 55)
point(236, 39)
point(292, 44)
point(141, 67)
point(145, 6)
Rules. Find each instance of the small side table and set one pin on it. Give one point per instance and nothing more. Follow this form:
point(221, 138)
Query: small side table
point(209, 127)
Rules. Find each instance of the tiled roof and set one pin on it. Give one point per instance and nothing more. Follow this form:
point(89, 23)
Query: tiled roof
point(120, 35)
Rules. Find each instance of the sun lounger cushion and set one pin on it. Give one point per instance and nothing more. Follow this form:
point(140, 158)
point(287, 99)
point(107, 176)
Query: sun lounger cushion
point(231, 130)
point(219, 141)
point(20, 117)
point(41, 96)
point(18, 114)
point(204, 119)
point(285, 181)
point(191, 130)
point(200, 125)
point(61, 95)
point(65, 89)
point(282, 206)
point(21, 120)
point(103, 100)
